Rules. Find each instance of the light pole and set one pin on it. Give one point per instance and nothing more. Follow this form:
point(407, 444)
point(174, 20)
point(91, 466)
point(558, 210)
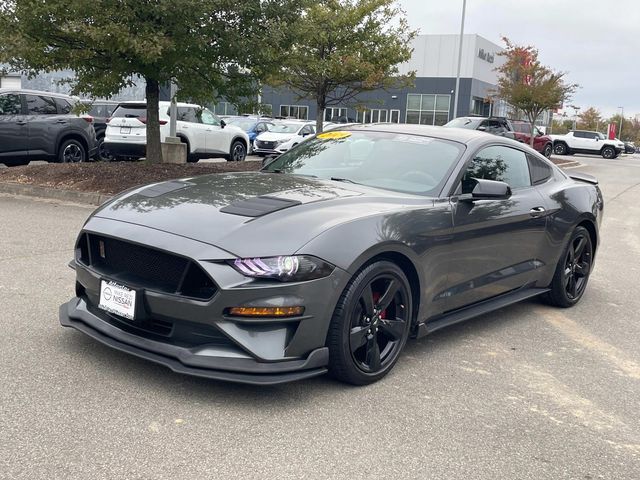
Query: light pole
point(621, 117)
point(575, 115)
point(455, 97)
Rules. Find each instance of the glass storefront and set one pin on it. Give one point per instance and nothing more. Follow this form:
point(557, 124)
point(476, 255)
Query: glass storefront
point(428, 109)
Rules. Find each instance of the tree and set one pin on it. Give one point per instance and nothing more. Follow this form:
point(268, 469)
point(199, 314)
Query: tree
point(344, 48)
point(590, 119)
point(207, 47)
point(528, 85)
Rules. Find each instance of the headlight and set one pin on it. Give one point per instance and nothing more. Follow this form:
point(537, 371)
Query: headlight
point(293, 268)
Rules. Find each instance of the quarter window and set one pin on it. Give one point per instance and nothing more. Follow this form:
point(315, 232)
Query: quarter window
point(10, 104)
point(187, 114)
point(64, 107)
point(429, 109)
point(39, 105)
point(500, 163)
point(540, 170)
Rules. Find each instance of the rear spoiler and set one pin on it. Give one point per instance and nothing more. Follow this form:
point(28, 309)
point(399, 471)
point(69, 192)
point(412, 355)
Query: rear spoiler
point(584, 177)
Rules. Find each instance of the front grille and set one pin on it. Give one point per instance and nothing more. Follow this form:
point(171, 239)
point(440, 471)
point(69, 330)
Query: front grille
point(263, 144)
point(146, 267)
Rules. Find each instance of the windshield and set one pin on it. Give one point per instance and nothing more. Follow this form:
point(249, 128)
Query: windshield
point(391, 161)
point(464, 122)
point(285, 127)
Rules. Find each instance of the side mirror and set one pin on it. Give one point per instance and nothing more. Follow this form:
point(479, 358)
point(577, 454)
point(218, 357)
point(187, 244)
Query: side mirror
point(487, 190)
point(223, 124)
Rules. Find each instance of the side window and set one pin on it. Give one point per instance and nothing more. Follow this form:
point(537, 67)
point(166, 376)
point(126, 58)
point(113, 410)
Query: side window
point(10, 104)
point(593, 135)
point(307, 130)
point(579, 135)
point(187, 114)
point(540, 170)
point(500, 163)
point(208, 118)
point(64, 107)
point(261, 127)
point(39, 105)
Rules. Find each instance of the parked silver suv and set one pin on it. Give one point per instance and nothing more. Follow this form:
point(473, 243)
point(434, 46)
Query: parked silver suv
point(41, 126)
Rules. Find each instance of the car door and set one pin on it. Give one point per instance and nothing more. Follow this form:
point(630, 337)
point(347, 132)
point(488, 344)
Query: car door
point(217, 140)
point(188, 122)
point(496, 244)
point(14, 140)
point(44, 125)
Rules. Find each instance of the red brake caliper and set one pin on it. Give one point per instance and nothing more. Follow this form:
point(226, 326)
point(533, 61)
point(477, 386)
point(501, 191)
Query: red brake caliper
point(376, 297)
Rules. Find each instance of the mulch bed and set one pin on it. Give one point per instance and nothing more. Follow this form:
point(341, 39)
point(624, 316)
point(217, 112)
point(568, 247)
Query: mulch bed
point(112, 178)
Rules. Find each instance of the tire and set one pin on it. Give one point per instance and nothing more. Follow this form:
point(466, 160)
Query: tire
point(572, 273)
point(547, 150)
point(608, 152)
point(103, 154)
point(72, 151)
point(364, 344)
point(238, 152)
point(560, 149)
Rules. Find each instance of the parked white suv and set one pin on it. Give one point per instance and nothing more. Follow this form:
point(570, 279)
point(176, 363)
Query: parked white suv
point(583, 141)
point(204, 133)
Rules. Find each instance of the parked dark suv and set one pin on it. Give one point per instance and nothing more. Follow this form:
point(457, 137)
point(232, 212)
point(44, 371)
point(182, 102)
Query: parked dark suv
point(41, 126)
point(101, 111)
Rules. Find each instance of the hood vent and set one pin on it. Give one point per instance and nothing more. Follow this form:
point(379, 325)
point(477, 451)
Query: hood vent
point(162, 188)
point(259, 206)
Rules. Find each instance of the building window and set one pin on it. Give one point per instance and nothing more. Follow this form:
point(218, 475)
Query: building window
point(372, 115)
point(428, 109)
point(225, 108)
point(395, 116)
point(335, 114)
point(300, 112)
point(480, 107)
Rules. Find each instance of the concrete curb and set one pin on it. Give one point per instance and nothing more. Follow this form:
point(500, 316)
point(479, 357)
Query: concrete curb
point(90, 198)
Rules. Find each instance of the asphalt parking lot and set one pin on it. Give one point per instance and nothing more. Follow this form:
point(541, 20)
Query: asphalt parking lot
point(528, 392)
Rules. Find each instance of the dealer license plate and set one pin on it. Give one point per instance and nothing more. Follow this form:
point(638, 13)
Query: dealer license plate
point(125, 130)
point(117, 299)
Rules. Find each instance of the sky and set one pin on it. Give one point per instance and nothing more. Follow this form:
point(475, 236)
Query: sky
point(597, 42)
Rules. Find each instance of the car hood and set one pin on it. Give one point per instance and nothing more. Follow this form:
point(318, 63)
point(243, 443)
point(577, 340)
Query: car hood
point(248, 214)
point(271, 136)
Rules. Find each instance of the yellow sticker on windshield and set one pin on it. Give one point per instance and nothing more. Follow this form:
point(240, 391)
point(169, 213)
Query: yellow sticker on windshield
point(334, 135)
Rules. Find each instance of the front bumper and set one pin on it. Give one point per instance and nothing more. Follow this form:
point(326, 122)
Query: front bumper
point(126, 149)
point(198, 336)
point(190, 361)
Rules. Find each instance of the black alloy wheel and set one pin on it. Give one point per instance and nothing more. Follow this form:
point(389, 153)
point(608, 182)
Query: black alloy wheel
point(238, 152)
point(573, 270)
point(608, 153)
point(370, 325)
point(560, 149)
point(72, 151)
point(103, 153)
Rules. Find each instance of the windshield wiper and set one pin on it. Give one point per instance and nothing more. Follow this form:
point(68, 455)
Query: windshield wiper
point(347, 180)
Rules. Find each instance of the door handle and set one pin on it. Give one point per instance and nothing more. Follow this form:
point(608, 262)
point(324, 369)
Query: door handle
point(61, 121)
point(537, 212)
point(21, 122)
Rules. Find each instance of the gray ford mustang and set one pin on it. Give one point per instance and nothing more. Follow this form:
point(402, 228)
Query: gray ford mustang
point(333, 255)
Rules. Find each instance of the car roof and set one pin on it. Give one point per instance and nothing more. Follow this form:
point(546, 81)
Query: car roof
point(37, 92)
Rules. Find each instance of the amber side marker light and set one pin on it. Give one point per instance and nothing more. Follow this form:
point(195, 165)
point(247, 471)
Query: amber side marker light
point(277, 312)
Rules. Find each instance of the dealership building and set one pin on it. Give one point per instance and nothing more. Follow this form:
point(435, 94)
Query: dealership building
point(429, 101)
